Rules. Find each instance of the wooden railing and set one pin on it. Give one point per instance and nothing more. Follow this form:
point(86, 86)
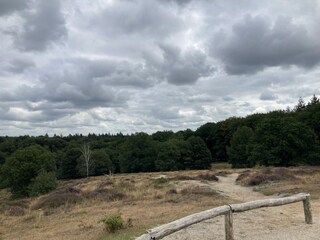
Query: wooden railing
point(227, 210)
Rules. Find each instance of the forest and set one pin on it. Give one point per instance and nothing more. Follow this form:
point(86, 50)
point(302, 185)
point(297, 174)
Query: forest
point(31, 165)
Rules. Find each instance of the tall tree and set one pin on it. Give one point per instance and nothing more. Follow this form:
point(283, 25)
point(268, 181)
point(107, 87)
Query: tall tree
point(68, 164)
point(200, 154)
point(240, 147)
point(285, 142)
point(86, 156)
point(101, 162)
point(301, 106)
point(168, 157)
point(138, 154)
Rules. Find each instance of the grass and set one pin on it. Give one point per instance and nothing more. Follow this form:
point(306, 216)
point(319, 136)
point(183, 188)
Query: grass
point(283, 181)
point(74, 209)
point(148, 199)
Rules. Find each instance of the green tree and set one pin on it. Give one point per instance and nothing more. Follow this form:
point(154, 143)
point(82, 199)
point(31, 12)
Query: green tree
point(68, 164)
point(168, 157)
point(200, 154)
point(284, 142)
point(240, 147)
point(162, 136)
point(44, 182)
point(138, 154)
point(23, 168)
point(102, 163)
point(301, 106)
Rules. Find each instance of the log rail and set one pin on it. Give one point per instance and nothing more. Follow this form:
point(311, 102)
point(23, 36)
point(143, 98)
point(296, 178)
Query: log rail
point(227, 210)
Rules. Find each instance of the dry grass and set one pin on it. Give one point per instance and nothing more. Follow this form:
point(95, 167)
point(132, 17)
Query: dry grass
point(74, 209)
point(283, 181)
point(148, 199)
point(264, 176)
point(14, 208)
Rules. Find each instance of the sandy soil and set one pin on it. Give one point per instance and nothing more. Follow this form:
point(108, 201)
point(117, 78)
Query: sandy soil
point(283, 222)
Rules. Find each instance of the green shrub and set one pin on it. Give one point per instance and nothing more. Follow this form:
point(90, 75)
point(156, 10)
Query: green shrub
point(43, 183)
point(113, 222)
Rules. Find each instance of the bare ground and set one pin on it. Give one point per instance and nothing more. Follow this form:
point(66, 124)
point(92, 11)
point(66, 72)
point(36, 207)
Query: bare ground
point(283, 222)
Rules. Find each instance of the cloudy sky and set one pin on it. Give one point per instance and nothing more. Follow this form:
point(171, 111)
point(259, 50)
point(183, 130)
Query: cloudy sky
point(80, 66)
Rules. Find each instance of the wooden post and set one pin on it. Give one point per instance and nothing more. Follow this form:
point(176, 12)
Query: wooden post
point(307, 210)
point(229, 225)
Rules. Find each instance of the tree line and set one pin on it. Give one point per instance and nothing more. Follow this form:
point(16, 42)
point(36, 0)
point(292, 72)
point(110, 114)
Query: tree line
point(30, 165)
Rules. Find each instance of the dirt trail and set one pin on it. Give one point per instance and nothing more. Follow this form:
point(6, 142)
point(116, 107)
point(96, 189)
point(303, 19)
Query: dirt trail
point(278, 223)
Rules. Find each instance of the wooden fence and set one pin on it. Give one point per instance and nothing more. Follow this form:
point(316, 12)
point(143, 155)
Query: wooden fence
point(227, 210)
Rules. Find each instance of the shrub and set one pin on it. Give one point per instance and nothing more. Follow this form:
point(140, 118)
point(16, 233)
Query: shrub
point(172, 191)
point(59, 198)
point(264, 176)
point(161, 182)
point(105, 194)
point(43, 183)
point(208, 176)
point(14, 208)
point(182, 178)
point(113, 222)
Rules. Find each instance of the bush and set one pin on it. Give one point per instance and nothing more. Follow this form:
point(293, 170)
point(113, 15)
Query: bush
point(113, 222)
point(59, 198)
point(208, 177)
point(161, 182)
point(264, 176)
point(14, 208)
point(43, 183)
point(105, 194)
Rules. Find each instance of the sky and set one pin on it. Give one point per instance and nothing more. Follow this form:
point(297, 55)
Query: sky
point(109, 66)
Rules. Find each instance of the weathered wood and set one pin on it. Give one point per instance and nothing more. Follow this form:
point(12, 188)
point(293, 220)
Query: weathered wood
point(307, 210)
point(169, 228)
point(229, 225)
point(268, 202)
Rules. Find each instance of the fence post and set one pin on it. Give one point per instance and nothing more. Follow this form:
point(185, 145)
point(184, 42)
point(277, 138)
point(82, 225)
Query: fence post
point(229, 225)
point(307, 210)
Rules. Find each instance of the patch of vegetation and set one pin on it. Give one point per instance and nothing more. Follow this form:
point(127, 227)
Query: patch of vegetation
point(161, 182)
point(267, 175)
point(202, 176)
point(172, 191)
point(182, 178)
point(58, 198)
point(208, 177)
point(105, 194)
point(14, 208)
point(199, 190)
point(113, 222)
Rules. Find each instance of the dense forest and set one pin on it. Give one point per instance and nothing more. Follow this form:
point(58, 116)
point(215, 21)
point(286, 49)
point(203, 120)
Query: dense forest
point(30, 165)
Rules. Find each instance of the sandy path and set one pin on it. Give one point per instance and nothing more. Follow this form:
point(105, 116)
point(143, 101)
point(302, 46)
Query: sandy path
point(284, 222)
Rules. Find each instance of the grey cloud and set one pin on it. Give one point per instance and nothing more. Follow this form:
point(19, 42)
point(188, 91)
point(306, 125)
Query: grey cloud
point(267, 95)
point(255, 44)
point(19, 65)
point(128, 17)
point(43, 26)
point(76, 82)
point(165, 113)
point(228, 99)
point(180, 2)
point(128, 74)
point(10, 6)
point(184, 67)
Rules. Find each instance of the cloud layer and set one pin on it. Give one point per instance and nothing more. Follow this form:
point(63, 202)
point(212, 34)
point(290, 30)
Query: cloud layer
point(109, 66)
